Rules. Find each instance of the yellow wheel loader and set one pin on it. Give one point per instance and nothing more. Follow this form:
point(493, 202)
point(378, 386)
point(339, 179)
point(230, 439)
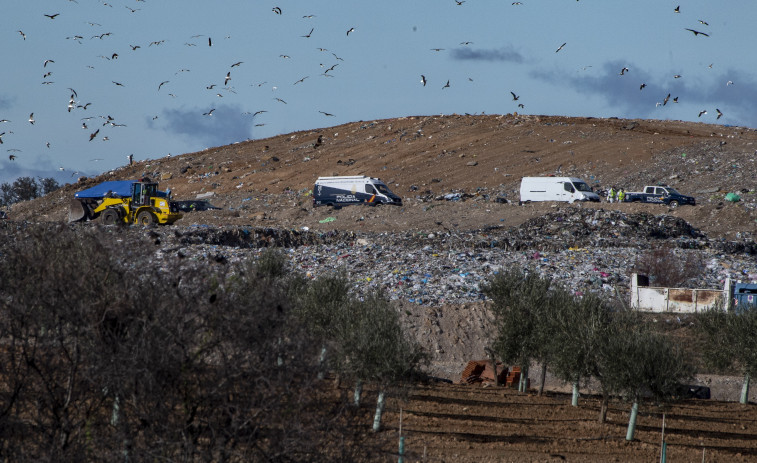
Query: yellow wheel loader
point(124, 201)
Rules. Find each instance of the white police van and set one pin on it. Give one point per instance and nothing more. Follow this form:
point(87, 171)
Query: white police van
point(357, 189)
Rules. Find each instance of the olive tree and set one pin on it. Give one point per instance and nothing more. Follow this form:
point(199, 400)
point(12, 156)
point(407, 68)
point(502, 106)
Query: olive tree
point(519, 302)
point(730, 342)
point(635, 362)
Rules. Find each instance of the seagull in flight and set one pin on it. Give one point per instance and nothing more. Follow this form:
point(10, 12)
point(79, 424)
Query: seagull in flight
point(308, 34)
point(276, 10)
point(52, 16)
point(325, 113)
point(515, 97)
point(641, 87)
point(237, 63)
point(560, 47)
point(31, 118)
point(93, 134)
point(209, 113)
point(44, 65)
point(161, 84)
point(719, 113)
point(22, 34)
point(352, 29)
point(697, 32)
point(704, 111)
point(228, 78)
point(623, 71)
point(446, 85)
point(423, 80)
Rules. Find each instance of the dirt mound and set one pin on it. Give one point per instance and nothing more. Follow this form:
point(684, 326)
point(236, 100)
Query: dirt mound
point(423, 158)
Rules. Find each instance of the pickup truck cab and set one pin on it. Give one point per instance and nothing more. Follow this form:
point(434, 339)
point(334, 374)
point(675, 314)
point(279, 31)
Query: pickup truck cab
point(660, 194)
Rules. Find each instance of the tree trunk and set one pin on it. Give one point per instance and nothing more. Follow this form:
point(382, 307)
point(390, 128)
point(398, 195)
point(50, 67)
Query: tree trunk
point(543, 378)
point(321, 361)
point(574, 399)
point(603, 407)
point(358, 393)
point(632, 420)
point(523, 383)
point(379, 410)
point(745, 390)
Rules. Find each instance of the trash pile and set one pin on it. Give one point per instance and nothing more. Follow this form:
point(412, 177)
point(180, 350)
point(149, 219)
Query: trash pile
point(586, 250)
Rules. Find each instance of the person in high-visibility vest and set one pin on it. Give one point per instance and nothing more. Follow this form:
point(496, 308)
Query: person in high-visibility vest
point(611, 195)
point(621, 195)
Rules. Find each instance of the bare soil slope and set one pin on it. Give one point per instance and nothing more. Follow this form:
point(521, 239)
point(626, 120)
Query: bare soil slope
point(267, 182)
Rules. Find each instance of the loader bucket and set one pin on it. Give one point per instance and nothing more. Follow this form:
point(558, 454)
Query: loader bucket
point(77, 211)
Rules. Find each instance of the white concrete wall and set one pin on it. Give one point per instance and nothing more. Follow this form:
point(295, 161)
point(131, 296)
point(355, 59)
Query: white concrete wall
point(676, 300)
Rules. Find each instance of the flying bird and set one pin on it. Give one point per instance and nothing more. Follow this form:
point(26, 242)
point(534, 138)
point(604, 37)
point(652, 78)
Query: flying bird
point(677, 9)
point(22, 34)
point(52, 16)
point(93, 134)
point(520, 105)
point(210, 42)
point(134, 47)
point(161, 84)
point(228, 78)
point(118, 83)
point(12, 157)
point(209, 113)
point(258, 112)
point(423, 80)
point(280, 100)
point(515, 97)
point(276, 10)
point(1, 138)
point(446, 85)
point(352, 29)
point(325, 113)
point(641, 87)
point(459, 2)
point(730, 82)
point(719, 113)
point(237, 63)
point(44, 65)
point(301, 80)
point(665, 101)
point(437, 49)
point(704, 111)
point(308, 34)
point(703, 22)
point(623, 71)
point(675, 100)
point(677, 76)
point(31, 118)
point(697, 32)
point(560, 47)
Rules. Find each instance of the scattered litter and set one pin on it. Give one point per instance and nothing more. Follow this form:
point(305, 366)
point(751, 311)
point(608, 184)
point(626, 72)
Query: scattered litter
point(327, 220)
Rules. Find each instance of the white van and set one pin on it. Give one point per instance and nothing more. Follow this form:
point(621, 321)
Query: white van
point(567, 189)
point(357, 189)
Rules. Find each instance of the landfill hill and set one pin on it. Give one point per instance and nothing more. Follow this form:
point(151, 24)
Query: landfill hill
point(475, 161)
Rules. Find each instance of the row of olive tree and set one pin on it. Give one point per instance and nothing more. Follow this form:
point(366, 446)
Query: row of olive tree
point(579, 338)
point(26, 188)
point(109, 354)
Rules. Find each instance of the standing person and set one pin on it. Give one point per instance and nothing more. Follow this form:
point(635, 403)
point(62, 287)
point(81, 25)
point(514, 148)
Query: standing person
point(621, 195)
point(611, 194)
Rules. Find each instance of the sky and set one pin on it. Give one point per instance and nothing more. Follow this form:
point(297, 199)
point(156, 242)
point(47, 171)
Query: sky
point(103, 80)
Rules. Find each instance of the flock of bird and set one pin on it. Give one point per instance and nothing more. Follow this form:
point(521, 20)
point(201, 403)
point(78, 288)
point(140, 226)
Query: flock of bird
point(98, 127)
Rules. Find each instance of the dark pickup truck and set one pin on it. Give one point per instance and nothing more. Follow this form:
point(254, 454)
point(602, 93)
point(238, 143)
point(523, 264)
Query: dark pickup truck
point(660, 195)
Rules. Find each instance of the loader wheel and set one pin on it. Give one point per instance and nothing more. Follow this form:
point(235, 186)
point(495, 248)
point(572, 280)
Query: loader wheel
point(110, 217)
point(673, 204)
point(145, 218)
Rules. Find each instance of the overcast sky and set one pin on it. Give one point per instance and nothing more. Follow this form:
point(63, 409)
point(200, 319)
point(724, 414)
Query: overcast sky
point(149, 77)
